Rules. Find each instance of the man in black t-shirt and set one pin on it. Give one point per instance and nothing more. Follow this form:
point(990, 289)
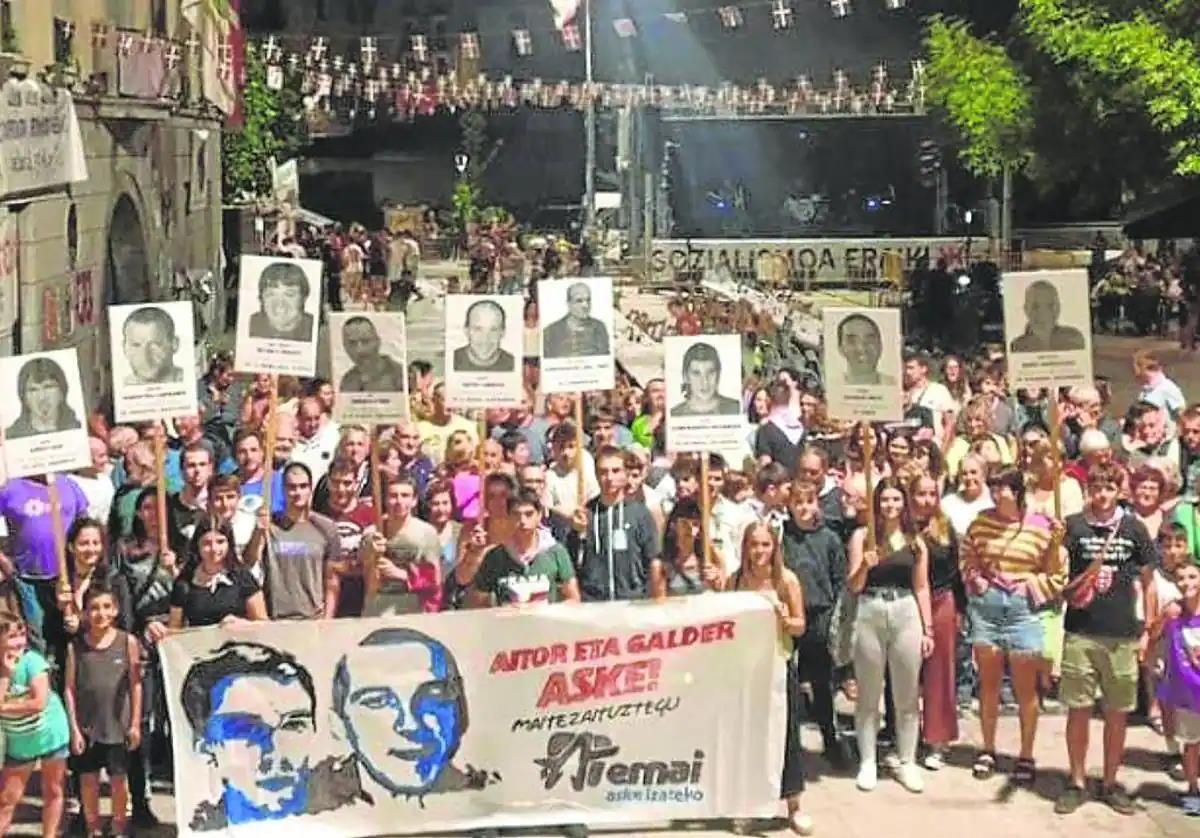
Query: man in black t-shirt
point(1110, 554)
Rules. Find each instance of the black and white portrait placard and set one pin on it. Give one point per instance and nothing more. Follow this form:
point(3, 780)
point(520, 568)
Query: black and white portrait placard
point(45, 428)
point(279, 301)
point(1048, 328)
point(153, 360)
point(704, 393)
point(484, 344)
point(370, 366)
point(863, 362)
point(578, 343)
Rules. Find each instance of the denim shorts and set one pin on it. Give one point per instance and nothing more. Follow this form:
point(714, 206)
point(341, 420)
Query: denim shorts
point(61, 753)
point(1003, 620)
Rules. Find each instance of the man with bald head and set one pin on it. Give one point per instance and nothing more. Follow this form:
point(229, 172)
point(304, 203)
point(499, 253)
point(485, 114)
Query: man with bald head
point(1043, 333)
point(578, 335)
point(96, 481)
point(485, 326)
point(317, 437)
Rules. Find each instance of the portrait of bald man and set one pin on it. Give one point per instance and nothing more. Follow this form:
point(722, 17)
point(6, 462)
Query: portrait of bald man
point(1043, 332)
point(485, 325)
point(578, 334)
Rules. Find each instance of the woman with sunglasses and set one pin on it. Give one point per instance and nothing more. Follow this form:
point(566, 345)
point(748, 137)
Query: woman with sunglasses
point(893, 630)
point(1012, 567)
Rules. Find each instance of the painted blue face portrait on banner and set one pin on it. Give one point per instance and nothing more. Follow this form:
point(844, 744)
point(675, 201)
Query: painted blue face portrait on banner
point(405, 729)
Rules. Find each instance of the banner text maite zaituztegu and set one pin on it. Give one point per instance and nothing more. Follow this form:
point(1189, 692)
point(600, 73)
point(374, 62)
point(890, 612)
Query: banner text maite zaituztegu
point(593, 679)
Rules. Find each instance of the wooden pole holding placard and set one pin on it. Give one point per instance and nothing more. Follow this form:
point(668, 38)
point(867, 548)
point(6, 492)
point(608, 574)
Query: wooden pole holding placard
point(580, 481)
point(705, 507)
point(160, 489)
point(370, 568)
point(269, 442)
point(868, 466)
point(481, 430)
point(60, 543)
point(1056, 452)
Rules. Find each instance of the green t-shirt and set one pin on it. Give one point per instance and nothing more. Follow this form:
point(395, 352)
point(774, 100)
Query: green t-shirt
point(510, 580)
point(39, 734)
point(1187, 517)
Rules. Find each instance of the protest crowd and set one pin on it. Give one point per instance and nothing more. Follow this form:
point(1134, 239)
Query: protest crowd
point(998, 547)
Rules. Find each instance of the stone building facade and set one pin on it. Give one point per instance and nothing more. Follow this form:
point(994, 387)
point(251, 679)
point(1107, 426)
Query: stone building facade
point(145, 225)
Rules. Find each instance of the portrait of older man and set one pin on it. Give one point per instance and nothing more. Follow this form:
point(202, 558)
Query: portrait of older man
point(1043, 332)
point(399, 695)
point(252, 711)
point(283, 290)
point(149, 344)
point(578, 334)
point(701, 376)
point(485, 325)
point(372, 370)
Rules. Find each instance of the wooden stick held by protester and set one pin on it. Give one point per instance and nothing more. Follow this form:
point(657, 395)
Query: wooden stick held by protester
point(868, 464)
point(269, 442)
point(60, 541)
point(580, 479)
point(160, 488)
point(370, 563)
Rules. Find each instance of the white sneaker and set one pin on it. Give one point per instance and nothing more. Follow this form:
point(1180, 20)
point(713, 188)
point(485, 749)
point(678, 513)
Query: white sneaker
point(801, 824)
point(910, 777)
point(868, 776)
point(934, 761)
point(891, 760)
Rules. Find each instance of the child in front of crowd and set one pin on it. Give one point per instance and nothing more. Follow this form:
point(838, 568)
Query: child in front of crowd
point(104, 706)
point(1180, 686)
point(1163, 595)
point(35, 728)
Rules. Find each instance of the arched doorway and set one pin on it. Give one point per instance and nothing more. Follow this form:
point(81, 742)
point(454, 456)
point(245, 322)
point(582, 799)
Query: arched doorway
point(126, 280)
point(127, 272)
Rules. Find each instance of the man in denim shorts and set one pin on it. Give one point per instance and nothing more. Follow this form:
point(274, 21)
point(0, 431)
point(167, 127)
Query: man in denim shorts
point(1110, 552)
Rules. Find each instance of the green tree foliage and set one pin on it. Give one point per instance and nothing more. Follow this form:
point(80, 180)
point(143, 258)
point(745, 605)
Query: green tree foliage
point(274, 129)
point(1094, 98)
point(983, 93)
point(1142, 47)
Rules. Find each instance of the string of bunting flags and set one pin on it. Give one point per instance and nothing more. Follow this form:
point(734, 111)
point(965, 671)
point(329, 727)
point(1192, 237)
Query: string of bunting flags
point(336, 83)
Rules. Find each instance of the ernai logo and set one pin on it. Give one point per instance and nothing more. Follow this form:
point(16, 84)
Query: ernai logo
point(591, 759)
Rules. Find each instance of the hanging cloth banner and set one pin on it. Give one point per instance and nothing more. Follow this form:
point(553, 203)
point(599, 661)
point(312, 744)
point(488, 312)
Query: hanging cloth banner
point(605, 714)
point(41, 147)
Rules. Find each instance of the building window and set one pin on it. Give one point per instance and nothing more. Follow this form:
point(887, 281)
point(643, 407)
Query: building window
point(64, 38)
point(264, 16)
point(159, 16)
point(8, 31)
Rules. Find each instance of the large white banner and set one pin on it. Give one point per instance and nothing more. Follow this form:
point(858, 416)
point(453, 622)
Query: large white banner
point(797, 261)
point(514, 717)
point(40, 143)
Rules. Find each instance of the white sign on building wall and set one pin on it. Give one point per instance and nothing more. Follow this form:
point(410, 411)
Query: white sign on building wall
point(40, 143)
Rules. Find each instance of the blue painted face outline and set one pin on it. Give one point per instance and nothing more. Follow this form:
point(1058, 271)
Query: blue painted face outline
point(428, 725)
point(252, 730)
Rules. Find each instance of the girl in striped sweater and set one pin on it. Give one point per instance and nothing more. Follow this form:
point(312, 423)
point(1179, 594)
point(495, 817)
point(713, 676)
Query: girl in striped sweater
point(1012, 566)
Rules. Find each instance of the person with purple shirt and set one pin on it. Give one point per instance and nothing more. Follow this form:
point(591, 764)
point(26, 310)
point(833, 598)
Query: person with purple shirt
point(25, 506)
